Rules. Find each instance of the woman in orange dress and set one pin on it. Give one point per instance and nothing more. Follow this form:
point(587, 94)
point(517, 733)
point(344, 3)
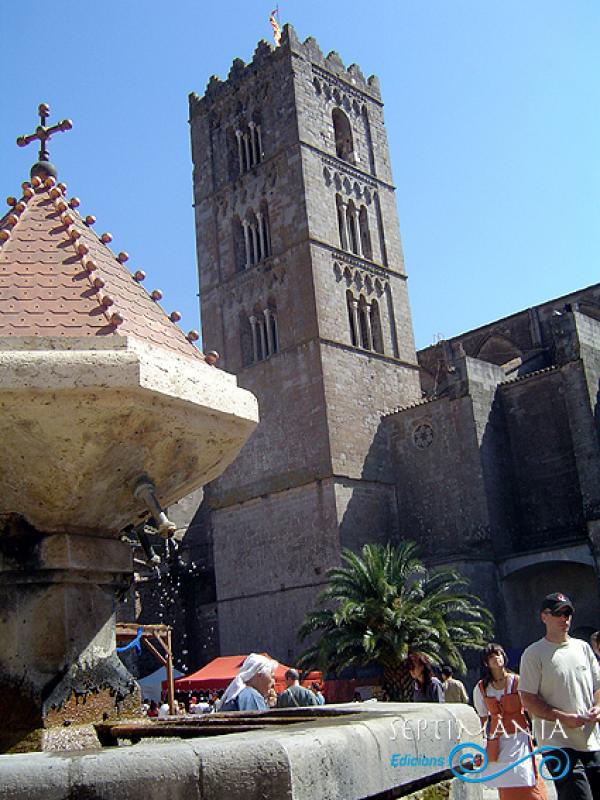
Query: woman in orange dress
point(497, 701)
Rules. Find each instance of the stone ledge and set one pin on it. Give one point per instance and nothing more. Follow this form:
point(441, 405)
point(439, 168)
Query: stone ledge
point(330, 759)
point(66, 552)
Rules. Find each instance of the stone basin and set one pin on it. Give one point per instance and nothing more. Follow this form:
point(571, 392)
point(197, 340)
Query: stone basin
point(81, 419)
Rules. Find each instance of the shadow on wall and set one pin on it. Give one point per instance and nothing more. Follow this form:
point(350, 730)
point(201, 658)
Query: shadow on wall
point(370, 507)
point(525, 589)
point(597, 412)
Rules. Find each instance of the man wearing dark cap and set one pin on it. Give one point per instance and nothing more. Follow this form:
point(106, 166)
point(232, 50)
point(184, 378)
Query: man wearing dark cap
point(560, 688)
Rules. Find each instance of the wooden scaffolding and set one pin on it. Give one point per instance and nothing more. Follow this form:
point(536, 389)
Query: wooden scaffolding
point(157, 640)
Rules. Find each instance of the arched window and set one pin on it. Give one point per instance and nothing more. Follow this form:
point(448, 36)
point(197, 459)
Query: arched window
point(243, 145)
point(246, 339)
point(249, 143)
point(252, 238)
point(259, 334)
point(256, 134)
point(365, 235)
point(270, 314)
point(341, 218)
point(233, 154)
point(263, 339)
point(352, 309)
point(364, 324)
point(264, 230)
point(498, 349)
point(344, 145)
point(239, 247)
point(376, 332)
point(256, 232)
point(351, 225)
point(380, 229)
point(365, 116)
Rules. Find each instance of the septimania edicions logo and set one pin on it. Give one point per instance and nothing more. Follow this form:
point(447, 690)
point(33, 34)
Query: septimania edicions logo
point(468, 761)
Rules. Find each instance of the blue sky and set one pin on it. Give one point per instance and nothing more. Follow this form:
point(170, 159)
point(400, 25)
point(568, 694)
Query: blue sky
point(491, 110)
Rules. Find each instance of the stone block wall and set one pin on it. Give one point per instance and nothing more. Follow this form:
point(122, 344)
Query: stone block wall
point(271, 554)
point(484, 581)
point(290, 445)
point(359, 388)
point(367, 513)
point(482, 380)
point(439, 478)
point(545, 479)
point(588, 337)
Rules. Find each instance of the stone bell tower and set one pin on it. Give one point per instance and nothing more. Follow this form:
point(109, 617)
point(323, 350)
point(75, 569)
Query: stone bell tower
point(303, 293)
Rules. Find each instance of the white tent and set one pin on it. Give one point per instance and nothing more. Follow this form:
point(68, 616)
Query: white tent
point(151, 685)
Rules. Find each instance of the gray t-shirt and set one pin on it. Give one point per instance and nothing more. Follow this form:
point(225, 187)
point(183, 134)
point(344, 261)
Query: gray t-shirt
point(565, 676)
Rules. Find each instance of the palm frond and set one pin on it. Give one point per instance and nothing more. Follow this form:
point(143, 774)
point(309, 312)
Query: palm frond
point(383, 603)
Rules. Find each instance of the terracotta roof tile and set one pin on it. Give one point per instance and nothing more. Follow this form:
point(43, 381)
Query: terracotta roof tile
point(422, 402)
point(526, 375)
point(58, 278)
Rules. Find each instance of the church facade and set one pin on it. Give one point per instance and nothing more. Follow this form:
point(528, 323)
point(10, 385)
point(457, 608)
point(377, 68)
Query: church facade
point(497, 468)
point(484, 449)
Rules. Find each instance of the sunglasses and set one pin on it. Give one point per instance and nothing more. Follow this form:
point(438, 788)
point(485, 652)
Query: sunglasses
point(564, 612)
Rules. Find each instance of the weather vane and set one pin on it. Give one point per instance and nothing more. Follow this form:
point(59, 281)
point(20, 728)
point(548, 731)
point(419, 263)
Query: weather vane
point(274, 20)
point(43, 133)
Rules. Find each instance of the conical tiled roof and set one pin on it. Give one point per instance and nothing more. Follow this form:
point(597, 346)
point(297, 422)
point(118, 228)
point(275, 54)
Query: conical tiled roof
point(59, 278)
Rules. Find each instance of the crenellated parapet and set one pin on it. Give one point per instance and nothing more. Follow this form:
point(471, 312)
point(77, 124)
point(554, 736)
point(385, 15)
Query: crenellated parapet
point(332, 63)
point(332, 66)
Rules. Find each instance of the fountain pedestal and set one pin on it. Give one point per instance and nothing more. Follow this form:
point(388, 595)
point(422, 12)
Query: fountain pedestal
point(58, 665)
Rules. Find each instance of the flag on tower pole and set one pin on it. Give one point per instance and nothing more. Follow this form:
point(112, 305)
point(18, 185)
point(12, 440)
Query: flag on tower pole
point(275, 25)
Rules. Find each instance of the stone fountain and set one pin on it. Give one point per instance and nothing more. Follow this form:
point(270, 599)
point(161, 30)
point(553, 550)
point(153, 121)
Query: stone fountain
point(108, 414)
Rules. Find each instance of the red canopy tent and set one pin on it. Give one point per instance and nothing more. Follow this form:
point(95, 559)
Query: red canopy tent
point(221, 671)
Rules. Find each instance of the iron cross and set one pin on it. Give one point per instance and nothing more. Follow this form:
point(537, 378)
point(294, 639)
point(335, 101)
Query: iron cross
point(44, 133)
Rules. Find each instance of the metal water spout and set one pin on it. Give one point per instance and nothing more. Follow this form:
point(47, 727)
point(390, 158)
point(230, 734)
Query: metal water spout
point(145, 490)
point(151, 556)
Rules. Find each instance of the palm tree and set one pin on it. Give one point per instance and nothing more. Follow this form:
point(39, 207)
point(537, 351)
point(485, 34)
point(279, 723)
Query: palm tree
point(385, 603)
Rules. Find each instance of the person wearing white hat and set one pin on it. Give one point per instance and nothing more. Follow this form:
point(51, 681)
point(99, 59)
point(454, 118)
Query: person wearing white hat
point(249, 690)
